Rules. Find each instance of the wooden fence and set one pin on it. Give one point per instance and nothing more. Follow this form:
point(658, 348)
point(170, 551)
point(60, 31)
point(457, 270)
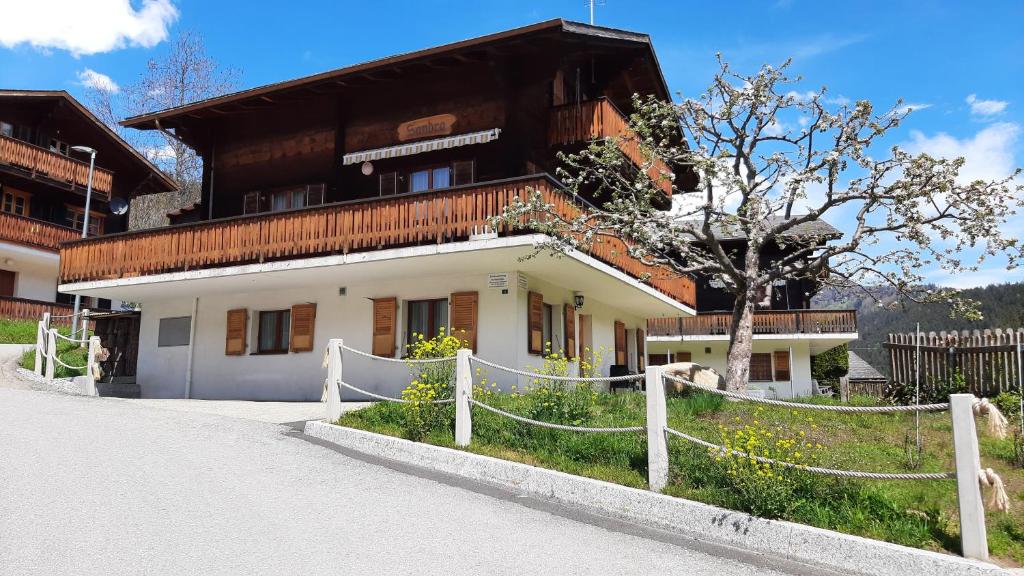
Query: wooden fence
point(988, 359)
point(25, 309)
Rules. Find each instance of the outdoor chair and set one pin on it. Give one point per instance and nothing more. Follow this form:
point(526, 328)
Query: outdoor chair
point(620, 370)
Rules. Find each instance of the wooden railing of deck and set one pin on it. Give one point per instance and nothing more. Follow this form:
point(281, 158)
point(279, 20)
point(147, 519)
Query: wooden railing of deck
point(26, 309)
point(35, 233)
point(432, 217)
point(765, 322)
point(40, 161)
point(594, 119)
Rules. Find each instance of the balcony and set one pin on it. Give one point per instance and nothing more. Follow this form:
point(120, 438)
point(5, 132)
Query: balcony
point(436, 217)
point(765, 322)
point(594, 119)
point(38, 161)
point(34, 233)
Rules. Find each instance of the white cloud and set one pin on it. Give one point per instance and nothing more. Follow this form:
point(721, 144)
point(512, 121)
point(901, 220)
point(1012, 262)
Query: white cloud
point(93, 79)
point(988, 154)
point(985, 107)
point(158, 153)
point(85, 27)
point(913, 107)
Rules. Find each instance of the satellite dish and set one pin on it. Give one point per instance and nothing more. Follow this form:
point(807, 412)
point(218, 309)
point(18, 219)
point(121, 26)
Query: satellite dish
point(118, 205)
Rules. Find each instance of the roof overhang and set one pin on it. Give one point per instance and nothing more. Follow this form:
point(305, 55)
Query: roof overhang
point(818, 342)
point(573, 271)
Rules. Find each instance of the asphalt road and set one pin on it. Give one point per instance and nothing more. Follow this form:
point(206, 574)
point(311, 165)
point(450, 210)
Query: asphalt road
point(101, 486)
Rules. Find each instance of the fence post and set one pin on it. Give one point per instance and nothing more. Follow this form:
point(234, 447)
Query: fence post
point(333, 379)
point(84, 335)
point(973, 536)
point(90, 367)
point(51, 353)
point(463, 394)
point(657, 421)
point(41, 329)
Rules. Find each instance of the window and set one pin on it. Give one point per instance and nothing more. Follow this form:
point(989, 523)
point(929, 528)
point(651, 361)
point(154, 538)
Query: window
point(761, 367)
point(59, 147)
point(389, 183)
point(283, 199)
point(6, 129)
point(426, 317)
point(75, 216)
point(174, 331)
point(549, 343)
point(15, 202)
point(274, 327)
point(462, 172)
point(433, 178)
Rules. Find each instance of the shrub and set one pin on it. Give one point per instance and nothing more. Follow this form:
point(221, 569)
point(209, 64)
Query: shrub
point(932, 392)
point(831, 365)
point(430, 382)
point(559, 401)
point(1009, 404)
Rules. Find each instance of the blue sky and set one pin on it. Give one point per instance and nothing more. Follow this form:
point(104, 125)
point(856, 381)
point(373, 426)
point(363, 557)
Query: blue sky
point(935, 55)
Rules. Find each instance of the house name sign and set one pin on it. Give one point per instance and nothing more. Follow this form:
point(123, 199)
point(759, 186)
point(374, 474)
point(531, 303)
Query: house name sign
point(439, 125)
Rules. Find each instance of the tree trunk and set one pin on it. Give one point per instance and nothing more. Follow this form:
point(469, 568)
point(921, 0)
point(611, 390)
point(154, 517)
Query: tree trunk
point(741, 340)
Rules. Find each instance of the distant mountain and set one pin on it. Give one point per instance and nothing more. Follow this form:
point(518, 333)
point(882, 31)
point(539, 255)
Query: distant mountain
point(1002, 306)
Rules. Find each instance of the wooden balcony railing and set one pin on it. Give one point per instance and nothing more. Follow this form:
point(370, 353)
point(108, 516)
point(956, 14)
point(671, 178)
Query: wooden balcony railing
point(25, 309)
point(40, 161)
point(765, 322)
point(594, 119)
point(35, 233)
point(405, 220)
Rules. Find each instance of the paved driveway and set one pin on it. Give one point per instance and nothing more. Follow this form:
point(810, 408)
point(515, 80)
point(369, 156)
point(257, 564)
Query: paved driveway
point(103, 486)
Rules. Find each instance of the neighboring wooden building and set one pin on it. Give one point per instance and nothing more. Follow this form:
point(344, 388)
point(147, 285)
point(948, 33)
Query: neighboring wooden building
point(787, 332)
point(42, 192)
point(357, 203)
point(862, 379)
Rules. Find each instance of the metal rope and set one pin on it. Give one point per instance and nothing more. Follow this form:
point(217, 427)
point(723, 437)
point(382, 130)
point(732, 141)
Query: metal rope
point(553, 426)
point(815, 469)
point(555, 378)
point(399, 360)
point(389, 399)
point(824, 407)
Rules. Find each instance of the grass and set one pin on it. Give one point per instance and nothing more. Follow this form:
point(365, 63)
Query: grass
point(914, 513)
point(19, 331)
point(69, 352)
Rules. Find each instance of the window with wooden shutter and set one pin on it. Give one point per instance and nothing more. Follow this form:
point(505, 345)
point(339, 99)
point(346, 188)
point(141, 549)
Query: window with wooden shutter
point(384, 310)
point(760, 367)
point(641, 357)
point(570, 331)
point(463, 317)
point(682, 357)
point(781, 364)
point(535, 322)
point(620, 343)
point(303, 327)
point(238, 324)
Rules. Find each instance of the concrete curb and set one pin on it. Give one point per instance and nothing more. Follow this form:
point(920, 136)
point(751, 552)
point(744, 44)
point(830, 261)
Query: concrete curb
point(74, 386)
point(796, 542)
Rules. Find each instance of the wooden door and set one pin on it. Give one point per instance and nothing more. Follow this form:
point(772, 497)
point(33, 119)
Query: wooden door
point(6, 283)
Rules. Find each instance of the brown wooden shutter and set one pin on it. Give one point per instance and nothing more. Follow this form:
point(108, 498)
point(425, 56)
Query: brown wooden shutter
point(682, 357)
point(535, 322)
point(760, 367)
point(384, 312)
point(641, 358)
point(303, 327)
point(570, 331)
point(620, 343)
point(781, 364)
point(463, 316)
point(238, 323)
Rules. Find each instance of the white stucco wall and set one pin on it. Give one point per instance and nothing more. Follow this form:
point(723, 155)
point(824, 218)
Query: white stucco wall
point(713, 355)
point(35, 284)
point(35, 271)
point(501, 338)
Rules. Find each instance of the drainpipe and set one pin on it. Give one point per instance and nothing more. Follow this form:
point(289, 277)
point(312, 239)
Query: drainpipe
point(792, 387)
point(191, 347)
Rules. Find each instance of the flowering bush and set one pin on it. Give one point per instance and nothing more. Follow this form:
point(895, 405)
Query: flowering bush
point(558, 400)
point(430, 382)
point(766, 489)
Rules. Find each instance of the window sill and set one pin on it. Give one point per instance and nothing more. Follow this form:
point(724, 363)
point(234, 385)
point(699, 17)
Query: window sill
point(269, 353)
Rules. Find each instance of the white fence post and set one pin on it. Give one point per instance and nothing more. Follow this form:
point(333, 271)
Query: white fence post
point(90, 367)
point(973, 535)
point(463, 394)
point(83, 335)
point(657, 421)
point(41, 329)
point(334, 379)
point(51, 353)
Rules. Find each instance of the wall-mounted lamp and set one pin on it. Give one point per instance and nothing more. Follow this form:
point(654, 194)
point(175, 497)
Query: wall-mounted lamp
point(577, 300)
point(366, 168)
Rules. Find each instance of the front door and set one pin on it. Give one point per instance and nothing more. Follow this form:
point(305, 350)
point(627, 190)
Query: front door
point(6, 283)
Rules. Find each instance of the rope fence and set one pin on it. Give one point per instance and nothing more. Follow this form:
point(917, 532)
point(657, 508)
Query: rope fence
point(398, 360)
point(553, 377)
point(554, 426)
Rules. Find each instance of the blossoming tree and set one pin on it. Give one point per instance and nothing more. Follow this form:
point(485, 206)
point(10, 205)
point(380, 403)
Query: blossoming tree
point(764, 162)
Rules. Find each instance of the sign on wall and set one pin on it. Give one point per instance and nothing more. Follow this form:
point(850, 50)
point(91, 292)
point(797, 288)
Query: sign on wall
point(440, 125)
point(498, 280)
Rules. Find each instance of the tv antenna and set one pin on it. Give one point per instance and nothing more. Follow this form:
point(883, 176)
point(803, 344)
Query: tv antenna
point(591, 4)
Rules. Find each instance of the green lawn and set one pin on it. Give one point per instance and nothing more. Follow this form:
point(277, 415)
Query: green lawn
point(19, 331)
point(913, 513)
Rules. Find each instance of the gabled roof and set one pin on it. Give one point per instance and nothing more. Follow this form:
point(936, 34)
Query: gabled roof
point(87, 115)
point(149, 120)
point(861, 370)
point(805, 230)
